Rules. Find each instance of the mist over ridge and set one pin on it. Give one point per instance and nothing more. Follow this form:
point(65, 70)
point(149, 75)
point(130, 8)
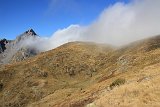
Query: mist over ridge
point(118, 25)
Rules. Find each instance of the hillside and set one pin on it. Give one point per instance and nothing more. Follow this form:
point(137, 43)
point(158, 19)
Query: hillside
point(79, 74)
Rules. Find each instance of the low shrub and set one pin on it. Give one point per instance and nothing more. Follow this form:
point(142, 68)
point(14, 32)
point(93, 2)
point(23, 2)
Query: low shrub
point(1, 86)
point(117, 82)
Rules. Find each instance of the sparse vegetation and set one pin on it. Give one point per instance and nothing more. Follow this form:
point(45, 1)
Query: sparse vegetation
point(153, 47)
point(1, 86)
point(71, 70)
point(117, 82)
point(43, 74)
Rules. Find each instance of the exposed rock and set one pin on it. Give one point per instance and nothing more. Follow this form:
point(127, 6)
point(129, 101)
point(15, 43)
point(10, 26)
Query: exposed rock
point(13, 51)
point(23, 54)
point(30, 32)
point(27, 34)
point(3, 43)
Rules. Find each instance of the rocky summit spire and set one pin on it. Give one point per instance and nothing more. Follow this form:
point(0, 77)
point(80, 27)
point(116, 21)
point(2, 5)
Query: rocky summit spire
point(30, 32)
point(18, 49)
point(27, 34)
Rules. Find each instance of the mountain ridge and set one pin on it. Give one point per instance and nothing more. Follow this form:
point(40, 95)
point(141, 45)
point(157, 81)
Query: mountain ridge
point(12, 49)
point(79, 74)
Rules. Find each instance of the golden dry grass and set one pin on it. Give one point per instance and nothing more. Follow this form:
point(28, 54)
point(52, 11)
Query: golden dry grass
point(79, 74)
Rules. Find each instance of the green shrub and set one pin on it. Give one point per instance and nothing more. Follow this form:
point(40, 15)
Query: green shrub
point(117, 82)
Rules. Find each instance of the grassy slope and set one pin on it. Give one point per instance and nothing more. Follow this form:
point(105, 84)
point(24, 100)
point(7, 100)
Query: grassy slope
point(77, 74)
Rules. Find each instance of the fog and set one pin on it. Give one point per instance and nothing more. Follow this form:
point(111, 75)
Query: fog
point(118, 24)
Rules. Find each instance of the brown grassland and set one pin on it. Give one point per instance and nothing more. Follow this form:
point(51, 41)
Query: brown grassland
point(81, 74)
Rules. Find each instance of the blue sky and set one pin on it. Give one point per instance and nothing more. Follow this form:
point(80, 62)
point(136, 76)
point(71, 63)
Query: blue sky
point(47, 16)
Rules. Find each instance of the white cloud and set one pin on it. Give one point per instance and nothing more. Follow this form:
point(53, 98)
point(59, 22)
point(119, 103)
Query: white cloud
point(118, 25)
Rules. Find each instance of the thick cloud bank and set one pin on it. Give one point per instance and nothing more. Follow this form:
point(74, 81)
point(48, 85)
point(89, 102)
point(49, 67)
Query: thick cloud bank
point(118, 25)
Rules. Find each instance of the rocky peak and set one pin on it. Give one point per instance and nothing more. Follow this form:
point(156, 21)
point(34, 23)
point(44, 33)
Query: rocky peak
point(16, 50)
point(27, 34)
point(30, 32)
point(3, 43)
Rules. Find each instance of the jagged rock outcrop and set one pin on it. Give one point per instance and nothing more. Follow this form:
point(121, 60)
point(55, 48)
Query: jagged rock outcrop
point(27, 34)
point(17, 50)
point(3, 43)
point(23, 54)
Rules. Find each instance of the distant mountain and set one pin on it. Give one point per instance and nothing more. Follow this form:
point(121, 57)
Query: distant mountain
point(27, 34)
point(83, 74)
point(15, 50)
